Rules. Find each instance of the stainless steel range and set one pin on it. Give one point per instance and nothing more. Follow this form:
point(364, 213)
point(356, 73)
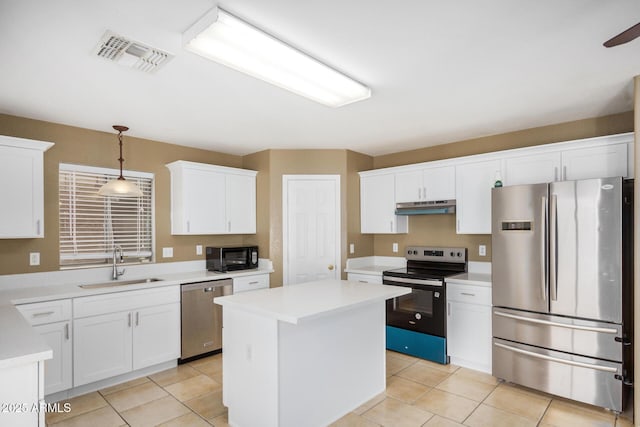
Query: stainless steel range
point(416, 323)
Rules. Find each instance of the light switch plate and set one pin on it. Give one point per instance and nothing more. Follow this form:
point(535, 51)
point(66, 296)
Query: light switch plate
point(167, 252)
point(198, 249)
point(482, 250)
point(352, 248)
point(395, 247)
point(34, 258)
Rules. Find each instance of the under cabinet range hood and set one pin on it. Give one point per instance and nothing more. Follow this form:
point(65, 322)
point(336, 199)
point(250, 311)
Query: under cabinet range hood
point(431, 207)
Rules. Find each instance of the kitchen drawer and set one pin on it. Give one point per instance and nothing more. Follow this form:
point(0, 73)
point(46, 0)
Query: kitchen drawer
point(124, 301)
point(250, 283)
point(469, 293)
point(40, 313)
point(364, 278)
point(594, 381)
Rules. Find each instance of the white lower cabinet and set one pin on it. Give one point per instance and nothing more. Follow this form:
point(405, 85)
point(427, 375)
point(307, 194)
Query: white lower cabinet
point(364, 278)
point(102, 347)
point(124, 331)
point(250, 283)
point(52, 320)
point(21, 395)
point(469, 326)
point(156, 335)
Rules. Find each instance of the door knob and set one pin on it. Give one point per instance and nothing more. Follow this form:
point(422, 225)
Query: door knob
point(330, 267)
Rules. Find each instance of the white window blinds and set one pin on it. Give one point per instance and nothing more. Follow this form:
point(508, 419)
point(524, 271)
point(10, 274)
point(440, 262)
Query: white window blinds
point(91, 225)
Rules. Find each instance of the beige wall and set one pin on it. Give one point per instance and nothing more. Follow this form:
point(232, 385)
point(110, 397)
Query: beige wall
point(89, 147)
point(76, 145)
point(439, 230)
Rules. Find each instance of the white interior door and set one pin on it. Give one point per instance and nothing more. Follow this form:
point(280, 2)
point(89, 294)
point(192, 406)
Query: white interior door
point(311, 228)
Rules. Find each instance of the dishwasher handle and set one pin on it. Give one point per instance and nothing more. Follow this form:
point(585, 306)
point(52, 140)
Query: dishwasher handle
point(206, 286)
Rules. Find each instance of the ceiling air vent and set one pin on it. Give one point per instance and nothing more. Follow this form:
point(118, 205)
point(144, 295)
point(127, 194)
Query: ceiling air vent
point(131, 53)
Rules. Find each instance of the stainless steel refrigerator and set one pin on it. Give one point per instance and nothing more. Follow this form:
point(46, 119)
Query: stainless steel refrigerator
point(562, 291)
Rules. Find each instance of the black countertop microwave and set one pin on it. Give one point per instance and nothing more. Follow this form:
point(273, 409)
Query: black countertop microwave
point(231, 258)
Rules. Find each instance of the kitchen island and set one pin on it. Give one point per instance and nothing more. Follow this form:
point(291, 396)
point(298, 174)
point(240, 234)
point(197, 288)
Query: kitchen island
point(303, 355)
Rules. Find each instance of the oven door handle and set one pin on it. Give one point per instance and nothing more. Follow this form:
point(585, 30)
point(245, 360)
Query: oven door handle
point(424, 282)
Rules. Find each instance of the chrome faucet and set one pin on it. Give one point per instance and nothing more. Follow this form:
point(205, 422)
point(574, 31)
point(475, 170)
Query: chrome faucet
point(117, 273)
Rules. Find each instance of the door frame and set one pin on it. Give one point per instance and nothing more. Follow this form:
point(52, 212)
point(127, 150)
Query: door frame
point(285, 219)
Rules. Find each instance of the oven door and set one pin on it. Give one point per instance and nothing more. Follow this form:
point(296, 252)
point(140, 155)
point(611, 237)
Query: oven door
point(423, 310)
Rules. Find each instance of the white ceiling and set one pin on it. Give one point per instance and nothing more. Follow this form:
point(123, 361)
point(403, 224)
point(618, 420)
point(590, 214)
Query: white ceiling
point(440, 71)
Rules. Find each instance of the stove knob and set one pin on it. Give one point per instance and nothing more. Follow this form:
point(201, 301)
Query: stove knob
point(415, 252)
point(460, 254)
point(409, 252)
point(452, 254)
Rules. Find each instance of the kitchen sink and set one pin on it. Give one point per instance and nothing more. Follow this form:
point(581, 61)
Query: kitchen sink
point(119, 283)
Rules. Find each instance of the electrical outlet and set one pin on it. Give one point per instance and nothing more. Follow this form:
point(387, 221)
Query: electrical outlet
point(198, 249)
point(482, 250)
point(167, 252)
point(395, 247)
point(34, 258)
point(352, 248)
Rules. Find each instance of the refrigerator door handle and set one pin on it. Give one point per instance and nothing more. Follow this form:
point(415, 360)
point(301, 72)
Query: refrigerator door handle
point(543, 249)
point(555, 359)
point(561, 325)
point(553, 247)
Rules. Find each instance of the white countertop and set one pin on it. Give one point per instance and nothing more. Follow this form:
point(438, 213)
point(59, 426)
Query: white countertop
point(295, 303)
point(20, 343)
point(374, 265)
point(479, 279)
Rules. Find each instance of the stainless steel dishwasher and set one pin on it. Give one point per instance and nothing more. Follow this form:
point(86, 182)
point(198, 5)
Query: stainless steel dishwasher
point(201, 317)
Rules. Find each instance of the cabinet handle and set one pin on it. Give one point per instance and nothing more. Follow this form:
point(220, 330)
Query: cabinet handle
point(188, 226)
point(564, 173)
point(129, 319)
point(555, 173)
point(137, 318)
point(42, 314)
point(468, 294)
point(229, 226)
point(66, 331)
point(391, 226)
point(363, 281)
point(38, 227)
point(419, 193)
point(458, 225)
point(448, 309)
point(424, 193)
point(255, 282)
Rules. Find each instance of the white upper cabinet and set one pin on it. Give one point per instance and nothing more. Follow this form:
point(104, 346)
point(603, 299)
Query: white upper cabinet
point(473, 196)
point(532, 169)
point(426, 184)
point(378, 205)
point(595, 162)
point(22, 187)
point(210, 199)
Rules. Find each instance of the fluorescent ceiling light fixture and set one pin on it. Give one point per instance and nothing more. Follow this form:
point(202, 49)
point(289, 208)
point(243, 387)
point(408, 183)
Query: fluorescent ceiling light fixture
point(226, 39)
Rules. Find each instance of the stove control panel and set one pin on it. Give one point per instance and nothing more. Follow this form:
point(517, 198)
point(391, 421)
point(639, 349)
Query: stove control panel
point(428, 253)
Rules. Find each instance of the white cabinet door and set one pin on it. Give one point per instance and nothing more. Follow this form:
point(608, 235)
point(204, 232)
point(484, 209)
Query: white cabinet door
point(58, 370)
point(240, 204)
point(19, 392)
point(156, 335)
point(203, 202)
point(439, 183)
point(473, 196)
point(533, 169)
point(378, 205)
point(408, 186)
point(469, 335)
point(21, 192)
point(426, 184)
point(595, 162)
point(102, 347)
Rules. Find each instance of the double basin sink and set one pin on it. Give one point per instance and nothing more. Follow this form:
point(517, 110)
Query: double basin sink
point(119, 283)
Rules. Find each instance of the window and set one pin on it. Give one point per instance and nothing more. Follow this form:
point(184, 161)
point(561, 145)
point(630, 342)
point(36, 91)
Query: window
point(92, 225)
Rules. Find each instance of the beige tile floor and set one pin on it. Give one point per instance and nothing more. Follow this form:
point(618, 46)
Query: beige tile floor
point(419, 393)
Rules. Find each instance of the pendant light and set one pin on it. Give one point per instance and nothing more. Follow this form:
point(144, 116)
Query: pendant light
point(120, 187)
